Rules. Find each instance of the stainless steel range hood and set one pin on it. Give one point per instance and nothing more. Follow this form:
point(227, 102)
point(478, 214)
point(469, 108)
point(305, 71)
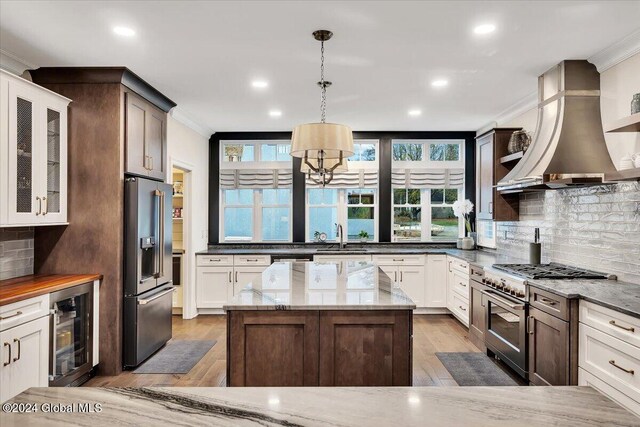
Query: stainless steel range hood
point(568, 147)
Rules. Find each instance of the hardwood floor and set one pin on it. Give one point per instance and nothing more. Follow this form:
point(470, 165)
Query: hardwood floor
point(431, 334)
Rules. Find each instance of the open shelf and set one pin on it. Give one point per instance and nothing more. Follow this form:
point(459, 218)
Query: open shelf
point(627, 124)
point(623, 175)
point(512, 157)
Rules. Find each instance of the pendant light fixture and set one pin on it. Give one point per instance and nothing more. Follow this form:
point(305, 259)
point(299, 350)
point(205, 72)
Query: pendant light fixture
point(323, 147)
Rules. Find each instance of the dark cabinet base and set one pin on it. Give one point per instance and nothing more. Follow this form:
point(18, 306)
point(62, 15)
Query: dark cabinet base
point(326, 348)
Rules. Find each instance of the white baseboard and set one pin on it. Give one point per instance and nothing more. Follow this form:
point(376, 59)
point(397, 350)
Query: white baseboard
point(431, 310)
point(211, 311)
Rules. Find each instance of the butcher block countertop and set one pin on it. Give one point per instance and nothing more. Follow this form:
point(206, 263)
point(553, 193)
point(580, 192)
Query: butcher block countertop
point(25, 287)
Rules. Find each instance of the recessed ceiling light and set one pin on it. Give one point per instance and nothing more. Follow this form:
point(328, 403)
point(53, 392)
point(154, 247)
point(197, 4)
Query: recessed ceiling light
point(259, 84)
point(124, 31)
point(275, 113)
point(415, 113)
point(484, 29)
point(439, 83)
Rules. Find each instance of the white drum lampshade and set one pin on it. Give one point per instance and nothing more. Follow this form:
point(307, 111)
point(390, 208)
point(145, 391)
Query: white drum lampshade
point(330, 139)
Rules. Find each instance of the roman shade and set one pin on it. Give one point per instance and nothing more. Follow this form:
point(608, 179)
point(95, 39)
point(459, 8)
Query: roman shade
point(231, 179)
point(359, 178)
point(427, 178)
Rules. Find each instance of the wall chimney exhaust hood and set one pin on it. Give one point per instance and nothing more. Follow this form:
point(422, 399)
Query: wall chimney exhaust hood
point(568, 147)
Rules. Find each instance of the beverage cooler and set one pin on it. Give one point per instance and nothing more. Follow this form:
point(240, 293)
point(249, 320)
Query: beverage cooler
point(71, 336)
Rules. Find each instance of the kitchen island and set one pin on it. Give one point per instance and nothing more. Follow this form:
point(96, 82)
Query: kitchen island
point(320, 324)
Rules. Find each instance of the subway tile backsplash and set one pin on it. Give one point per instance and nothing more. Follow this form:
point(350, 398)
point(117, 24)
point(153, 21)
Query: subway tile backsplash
point(16, 252)
point(594, 227)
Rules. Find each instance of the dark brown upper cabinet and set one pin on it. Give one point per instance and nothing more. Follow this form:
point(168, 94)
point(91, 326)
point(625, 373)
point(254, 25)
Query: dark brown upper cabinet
point(490, 148)
point(146, 138)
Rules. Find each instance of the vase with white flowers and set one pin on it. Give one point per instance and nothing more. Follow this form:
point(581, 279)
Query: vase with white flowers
point(463, 209)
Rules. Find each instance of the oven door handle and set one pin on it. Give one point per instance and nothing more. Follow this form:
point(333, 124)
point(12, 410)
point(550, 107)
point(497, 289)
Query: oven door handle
point(500, 300)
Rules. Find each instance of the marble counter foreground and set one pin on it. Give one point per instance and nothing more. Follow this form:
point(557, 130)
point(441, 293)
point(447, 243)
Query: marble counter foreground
point(346, 285)
point(362, 406)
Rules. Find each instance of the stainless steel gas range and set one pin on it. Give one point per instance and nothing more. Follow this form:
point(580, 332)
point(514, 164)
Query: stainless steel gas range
point(506, 303)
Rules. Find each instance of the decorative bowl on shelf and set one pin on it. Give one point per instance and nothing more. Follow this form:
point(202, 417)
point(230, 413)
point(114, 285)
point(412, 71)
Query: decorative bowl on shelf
point(519, 141)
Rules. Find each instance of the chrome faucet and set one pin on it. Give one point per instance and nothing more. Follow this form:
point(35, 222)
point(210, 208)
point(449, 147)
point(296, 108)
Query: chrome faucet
point(340, 234)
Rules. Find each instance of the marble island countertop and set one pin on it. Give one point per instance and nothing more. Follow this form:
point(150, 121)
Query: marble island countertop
point(347, 285)
point(324, 406)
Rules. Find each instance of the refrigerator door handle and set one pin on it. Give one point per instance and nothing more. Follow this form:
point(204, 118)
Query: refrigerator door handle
point(160, 195)
point(155, 297)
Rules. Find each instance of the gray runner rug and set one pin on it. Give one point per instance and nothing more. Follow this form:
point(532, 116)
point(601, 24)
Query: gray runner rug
point(177, 357)
point(474, 369)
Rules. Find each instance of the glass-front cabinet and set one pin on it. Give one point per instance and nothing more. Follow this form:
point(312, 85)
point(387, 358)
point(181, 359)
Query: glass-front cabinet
point(33, 158)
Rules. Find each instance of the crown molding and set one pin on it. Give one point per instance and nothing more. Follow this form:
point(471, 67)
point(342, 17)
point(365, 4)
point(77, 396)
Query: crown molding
point(617, 52)
point(13, 64)
point(525, 104)
point(181, 117)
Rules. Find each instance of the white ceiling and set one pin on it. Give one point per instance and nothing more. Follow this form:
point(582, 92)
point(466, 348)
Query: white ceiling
point(382, 59)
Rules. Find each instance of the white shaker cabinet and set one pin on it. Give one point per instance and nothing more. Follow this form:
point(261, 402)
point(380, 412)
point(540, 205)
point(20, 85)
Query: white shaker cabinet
point(436, 286)
point(214, 286)
point(33, 154)
point(25, 353)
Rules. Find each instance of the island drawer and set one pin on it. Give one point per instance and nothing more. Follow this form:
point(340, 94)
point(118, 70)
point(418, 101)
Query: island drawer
point(23, 311)
point(252, 259)
point(614, 361)
point(399, 259)
point(549, 303)
point(611, 322)
point(210, 260)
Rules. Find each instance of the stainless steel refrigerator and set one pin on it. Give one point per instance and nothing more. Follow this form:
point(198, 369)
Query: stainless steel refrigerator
point(147, 269)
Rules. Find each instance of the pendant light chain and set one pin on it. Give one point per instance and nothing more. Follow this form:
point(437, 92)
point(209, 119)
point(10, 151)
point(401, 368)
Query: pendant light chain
point(323, 86)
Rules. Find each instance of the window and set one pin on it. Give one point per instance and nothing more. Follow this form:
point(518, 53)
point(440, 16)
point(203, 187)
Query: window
point(427, 178)
point(410, 152)
point(363, 152)
point(426, 153)
point(255, 193)
point(354, 208)
point(361, 224)
point(322, 205)
point(349, 199)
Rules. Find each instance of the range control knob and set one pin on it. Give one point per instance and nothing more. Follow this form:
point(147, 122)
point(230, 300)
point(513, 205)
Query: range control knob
point(520, 294)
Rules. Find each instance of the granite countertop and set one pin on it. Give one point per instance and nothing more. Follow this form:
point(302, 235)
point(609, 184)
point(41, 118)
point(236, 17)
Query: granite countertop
point(25, 287)
point(324, 406)
point(347, 285)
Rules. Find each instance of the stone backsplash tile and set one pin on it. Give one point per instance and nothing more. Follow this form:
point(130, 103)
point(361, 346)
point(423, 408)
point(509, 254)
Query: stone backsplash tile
point(594, 227)
point(16, 252)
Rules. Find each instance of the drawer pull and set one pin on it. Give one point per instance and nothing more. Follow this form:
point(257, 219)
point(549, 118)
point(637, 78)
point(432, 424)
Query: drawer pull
point(463, 284)
point(462, 308)
point(6, 344)
point(214, 260)
point(548, 301)
point(15, 359)
point(398, 260)
point(17, 313)
point(628, 371)
point(463, 266)
point(530, 325)
point(629, 329)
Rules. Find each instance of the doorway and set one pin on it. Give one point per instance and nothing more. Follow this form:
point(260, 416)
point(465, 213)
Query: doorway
point(181, 237)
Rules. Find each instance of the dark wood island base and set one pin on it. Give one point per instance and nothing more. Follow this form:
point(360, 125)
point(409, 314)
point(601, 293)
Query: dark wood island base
point(319, 347)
